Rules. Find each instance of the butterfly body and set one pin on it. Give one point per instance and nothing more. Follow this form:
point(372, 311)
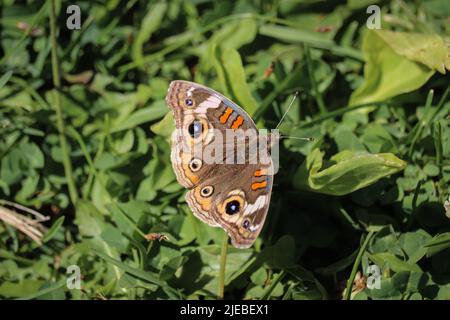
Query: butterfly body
point(233, 195)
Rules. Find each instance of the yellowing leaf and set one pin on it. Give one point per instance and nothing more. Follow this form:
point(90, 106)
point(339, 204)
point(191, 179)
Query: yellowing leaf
point(387, 73)
point(428, 49)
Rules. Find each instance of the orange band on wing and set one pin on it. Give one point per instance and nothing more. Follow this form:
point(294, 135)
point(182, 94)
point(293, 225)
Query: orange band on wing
point(237, 123)
point(259, 185)
point(224, 117)
point(260, 172)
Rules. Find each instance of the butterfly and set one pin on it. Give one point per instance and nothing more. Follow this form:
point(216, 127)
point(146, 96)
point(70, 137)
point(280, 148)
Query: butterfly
point(233, 196)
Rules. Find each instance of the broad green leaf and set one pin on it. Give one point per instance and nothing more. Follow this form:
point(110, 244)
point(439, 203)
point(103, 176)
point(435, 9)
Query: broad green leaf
point(413, 243)
point(89, 219)
point(400, 284)
point(45, 291)
point(349, 172)
point(171, 267)
point(255, 292)
point(165, 127)
point(387, 291)
point(123, 143)
point(21, 289)
point(284, 252)
point(377, 139)
point(387, 73)
point(444, 293)
point(428, 49)
point(259, 277)
point(113, 237)
point(281, 255)
point(347, 140)
point(153, 112)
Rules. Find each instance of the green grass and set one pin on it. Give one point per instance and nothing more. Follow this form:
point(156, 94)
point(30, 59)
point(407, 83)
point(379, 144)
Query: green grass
point(84, 140)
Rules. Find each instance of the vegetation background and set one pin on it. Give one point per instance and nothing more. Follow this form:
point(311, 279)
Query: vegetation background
point(84, 142)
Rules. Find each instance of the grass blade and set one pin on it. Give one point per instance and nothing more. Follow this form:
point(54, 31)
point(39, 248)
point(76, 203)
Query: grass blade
point(141, 274)
point(53, 230)
point(4, 78)
point(348, 289)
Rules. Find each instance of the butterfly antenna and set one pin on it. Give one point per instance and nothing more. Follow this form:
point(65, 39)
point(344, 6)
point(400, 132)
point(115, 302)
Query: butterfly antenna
point(289, 108)
point(284, 115)
point(298, 138)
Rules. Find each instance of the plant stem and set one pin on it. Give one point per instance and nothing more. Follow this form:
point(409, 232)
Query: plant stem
point(438, 145)
point(414, 205)
point(268, 291)
point(223, 262)
point(312, 80)
point(422, 122)
point(348, 290)
point(59, 116)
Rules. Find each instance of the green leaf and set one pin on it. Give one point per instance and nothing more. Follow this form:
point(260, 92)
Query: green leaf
point(89, 219)
point(44, 291)
point(236, 34)
point(428, 49)
point(413, 243)
point(290, 34)
point(165, 127)
point(313, 38)
point(395, 264)
point(171, 267)
point(232, 76)
point(438, 243)
point(153, 112)
point(386, 73)
point(53, 230)
point(347, 140)
point(4, 78)
point(23, 288)
point(401, 284)
point(259, 277)
point(284, 252)
point(141, 274)
point(351, 171)
point(113, 237)
point(377, 139)
point(150, 24)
